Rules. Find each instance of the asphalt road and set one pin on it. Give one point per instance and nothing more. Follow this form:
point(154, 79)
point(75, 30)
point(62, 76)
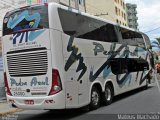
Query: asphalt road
point(135, 102)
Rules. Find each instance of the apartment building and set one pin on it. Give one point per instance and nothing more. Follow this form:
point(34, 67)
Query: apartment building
point(113, 10)
point(132, 15)
point(120, 10)
point(78, 4)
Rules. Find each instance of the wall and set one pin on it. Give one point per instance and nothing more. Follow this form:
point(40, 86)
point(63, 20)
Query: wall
point(105, 7)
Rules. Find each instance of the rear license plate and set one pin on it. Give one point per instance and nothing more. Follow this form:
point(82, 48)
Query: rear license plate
point(29, 102)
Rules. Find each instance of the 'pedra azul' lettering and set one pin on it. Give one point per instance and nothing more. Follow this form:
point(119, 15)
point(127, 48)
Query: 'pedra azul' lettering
point(35, 82)
point(20, 83)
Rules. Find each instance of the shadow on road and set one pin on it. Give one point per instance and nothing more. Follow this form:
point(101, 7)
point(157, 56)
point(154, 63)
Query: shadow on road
point(130, 93)
point(74, 113)
point(54, 115)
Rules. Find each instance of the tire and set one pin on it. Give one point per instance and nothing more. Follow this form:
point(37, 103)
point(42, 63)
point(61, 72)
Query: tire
point(95, 99)
point(107, 96)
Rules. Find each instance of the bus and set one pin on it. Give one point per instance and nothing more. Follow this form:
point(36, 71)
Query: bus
point(56, 57)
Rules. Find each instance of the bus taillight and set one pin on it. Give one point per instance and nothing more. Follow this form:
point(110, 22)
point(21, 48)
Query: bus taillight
point(46, 4)
point(6, 85)
point(56, 83)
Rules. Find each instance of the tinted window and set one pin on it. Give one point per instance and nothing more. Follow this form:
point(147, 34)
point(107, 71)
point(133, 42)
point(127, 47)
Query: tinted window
point(85, 27)
point(147, 40)
point(127, 65)
point(26, 18)
point(132, 37)
point(128, 34)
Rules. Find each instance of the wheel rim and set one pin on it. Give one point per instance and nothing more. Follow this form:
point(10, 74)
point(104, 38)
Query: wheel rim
point(95, 98)
point(108, 94)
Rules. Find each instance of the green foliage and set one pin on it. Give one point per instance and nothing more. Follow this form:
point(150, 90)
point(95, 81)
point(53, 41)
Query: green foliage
point(158, 39)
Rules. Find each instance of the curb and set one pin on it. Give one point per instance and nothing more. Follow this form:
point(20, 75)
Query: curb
point(3, 101)
point(11, 112)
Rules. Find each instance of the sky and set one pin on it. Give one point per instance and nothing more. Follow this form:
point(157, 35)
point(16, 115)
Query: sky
point(148, 16)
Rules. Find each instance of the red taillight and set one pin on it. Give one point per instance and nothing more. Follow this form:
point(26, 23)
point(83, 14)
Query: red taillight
point(56, 83)
point(6, 85)
point(46, 4)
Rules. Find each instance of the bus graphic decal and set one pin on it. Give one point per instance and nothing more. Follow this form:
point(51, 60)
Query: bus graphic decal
point(75, 57)
point(142, 79)
point(34, 20)
point(121, 82)
point(92, 76)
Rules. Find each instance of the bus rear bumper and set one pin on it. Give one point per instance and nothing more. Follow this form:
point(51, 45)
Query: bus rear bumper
point(56, 101)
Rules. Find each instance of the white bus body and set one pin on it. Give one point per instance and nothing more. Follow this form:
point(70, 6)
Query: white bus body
point(60, 66)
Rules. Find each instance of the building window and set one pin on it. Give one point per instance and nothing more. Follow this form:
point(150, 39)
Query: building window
point(122, 14)
point(81, 2)
point(117, 21)
point(119, 12)
point(123, 5)
point(116, 10)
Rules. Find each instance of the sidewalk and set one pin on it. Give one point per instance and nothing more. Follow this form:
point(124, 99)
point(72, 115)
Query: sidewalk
point(6, 109)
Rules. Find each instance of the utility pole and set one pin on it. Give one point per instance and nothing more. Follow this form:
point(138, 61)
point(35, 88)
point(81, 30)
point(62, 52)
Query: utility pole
point(85, 6)
point(77, 4)
point(69, 3)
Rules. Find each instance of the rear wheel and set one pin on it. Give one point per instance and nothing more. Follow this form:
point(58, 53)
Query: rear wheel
point(95, 99)
point(107, 95)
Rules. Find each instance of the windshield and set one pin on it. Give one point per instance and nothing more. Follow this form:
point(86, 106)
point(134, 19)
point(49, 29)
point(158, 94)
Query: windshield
point(27, 18)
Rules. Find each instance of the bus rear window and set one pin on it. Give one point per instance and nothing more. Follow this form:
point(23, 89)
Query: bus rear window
point(27, 18)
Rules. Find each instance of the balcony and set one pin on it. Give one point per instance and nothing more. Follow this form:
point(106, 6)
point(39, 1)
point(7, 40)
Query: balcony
point(136, 24)
point(132, 17)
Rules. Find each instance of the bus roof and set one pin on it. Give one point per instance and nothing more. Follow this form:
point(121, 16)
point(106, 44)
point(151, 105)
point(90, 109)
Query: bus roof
point(75, 11)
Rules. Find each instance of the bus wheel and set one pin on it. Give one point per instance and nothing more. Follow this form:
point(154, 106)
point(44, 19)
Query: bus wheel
point(107, 95)
point(95, 99)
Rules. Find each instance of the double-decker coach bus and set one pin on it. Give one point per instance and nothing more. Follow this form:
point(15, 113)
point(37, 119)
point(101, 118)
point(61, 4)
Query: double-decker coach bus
point(56, 57)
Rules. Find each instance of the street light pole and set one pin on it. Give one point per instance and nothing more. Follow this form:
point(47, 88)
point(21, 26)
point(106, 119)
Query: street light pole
point(76, 4)
point(85, 6)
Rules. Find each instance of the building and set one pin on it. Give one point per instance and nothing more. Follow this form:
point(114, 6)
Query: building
point(8, 5)
point(132, 15)
point(78, 4)
point(113, 10)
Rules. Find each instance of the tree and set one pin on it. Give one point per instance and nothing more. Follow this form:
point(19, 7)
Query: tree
point(158, 39)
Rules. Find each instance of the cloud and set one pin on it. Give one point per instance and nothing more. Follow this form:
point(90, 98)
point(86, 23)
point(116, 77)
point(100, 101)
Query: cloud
point(148, 17)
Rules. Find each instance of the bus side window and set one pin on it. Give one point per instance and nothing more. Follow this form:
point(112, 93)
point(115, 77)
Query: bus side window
point(84, 27)
point(128, 65)
point(132, 38)
point(119, 66)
